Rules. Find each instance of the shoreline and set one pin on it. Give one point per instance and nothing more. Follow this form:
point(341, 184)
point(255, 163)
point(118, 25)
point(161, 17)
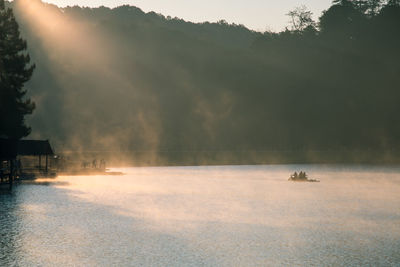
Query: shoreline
point(262, 157)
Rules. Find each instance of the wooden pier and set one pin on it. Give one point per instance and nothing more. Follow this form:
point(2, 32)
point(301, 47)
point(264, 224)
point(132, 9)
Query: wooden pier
point(30, 153)
point(8, 155)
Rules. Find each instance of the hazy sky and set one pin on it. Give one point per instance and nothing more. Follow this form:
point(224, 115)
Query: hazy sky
point(256, 14)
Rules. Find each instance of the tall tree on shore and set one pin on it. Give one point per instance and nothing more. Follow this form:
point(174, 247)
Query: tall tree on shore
point(301, 19)
point(15, 71)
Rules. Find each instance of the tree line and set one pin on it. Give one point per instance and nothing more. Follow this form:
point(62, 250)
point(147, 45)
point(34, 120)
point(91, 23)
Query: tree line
point(328, 84)
point(344, 66)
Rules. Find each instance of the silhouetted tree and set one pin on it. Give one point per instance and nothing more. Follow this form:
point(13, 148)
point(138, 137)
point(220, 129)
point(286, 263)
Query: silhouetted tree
point(301, 19)
point(15, 71)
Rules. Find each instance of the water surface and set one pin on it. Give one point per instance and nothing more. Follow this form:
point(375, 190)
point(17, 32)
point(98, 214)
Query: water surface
point(206, 216)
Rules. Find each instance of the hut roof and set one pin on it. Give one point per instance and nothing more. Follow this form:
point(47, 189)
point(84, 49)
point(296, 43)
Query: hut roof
point(34, 148)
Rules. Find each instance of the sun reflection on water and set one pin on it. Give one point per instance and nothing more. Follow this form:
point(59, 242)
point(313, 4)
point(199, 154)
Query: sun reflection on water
point(211, 216)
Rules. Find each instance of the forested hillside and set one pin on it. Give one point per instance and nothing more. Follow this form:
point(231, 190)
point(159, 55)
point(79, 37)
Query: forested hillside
point(122, 79)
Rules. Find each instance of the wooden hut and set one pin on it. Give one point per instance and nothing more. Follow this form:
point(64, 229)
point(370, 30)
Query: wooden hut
point(36, 148)
point(35, 156)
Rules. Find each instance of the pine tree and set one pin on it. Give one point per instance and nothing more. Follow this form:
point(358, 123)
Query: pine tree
point(15, 71)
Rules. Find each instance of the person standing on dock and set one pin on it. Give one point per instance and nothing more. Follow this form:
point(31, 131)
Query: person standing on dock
point(94, 164)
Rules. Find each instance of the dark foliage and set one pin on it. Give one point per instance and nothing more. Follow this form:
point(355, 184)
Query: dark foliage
point(214, 86)
point(15, 71)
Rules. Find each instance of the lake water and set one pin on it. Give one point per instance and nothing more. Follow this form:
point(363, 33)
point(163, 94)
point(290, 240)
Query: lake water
point(206, 216)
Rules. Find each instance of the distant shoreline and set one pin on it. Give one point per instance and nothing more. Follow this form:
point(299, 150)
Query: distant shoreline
point(218, 158)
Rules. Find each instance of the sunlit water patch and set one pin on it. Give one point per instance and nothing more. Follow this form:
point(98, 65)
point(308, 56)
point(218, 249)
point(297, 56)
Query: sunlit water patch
point(206, 216)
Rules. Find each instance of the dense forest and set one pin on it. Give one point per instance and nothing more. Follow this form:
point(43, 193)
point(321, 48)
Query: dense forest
point(124, 80)
point(15, 71)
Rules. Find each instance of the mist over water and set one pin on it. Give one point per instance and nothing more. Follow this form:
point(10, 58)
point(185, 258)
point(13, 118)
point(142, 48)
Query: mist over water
point(206, 216)
point(123, 81)
point(138, 89)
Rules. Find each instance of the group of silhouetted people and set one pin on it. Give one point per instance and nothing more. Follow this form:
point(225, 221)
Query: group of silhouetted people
point(299, 176)
point(94, 164)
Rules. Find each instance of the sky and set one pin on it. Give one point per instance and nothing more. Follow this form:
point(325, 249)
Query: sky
point(259, 15)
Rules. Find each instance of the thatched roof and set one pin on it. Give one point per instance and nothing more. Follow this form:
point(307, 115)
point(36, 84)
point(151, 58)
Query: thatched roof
point(34, 148)
point(9, 149)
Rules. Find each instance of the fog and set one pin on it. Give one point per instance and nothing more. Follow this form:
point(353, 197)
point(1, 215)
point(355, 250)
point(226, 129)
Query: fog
point(250, 195)
point(147, 89)
point(84, 66)
point(225, 216)
point(139, 88)
point(93, 95)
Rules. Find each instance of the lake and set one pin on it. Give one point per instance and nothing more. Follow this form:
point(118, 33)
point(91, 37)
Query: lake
point(206, 216)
